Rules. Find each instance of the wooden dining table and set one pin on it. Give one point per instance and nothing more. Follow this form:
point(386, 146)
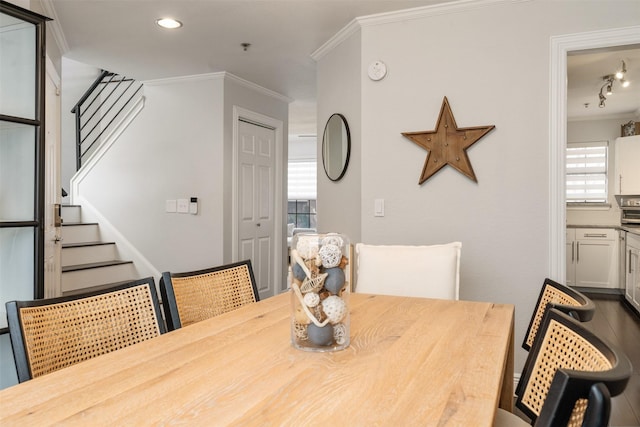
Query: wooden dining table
point(411, 361)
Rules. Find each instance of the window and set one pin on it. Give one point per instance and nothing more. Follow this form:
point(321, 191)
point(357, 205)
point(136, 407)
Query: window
point(586, 172)
point(302, 213)
point(301, 209)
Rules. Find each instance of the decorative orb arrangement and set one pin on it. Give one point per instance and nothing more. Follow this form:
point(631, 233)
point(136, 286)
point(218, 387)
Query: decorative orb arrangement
point(319, 292)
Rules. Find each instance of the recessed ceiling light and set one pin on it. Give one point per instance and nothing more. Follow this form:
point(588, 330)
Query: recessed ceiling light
point(169, 23)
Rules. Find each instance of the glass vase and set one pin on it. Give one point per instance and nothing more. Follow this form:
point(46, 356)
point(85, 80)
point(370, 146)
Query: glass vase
point(320, 289)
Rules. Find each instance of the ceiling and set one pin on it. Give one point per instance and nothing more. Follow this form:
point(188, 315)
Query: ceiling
point(585, 72)
point(121, 36)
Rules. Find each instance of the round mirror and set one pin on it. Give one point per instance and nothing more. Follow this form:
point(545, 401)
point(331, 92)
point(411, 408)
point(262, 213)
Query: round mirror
point(336, 147)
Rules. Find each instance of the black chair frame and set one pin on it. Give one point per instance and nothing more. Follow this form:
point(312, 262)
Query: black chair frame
point(167, 293)
point(582, 313)
point(14, 319)
point(570, 385)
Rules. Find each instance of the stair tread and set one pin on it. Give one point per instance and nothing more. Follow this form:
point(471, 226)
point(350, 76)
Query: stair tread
point(96, 287)
point(84, 244)
point(94, 265)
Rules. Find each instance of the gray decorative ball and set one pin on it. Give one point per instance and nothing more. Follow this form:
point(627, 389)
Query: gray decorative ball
point(298, 272)
point(335, 280)
point(320, 335)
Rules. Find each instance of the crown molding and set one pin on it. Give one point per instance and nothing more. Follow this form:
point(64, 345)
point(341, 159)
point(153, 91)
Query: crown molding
point(222, 75)
point(612, 116)
point(54, 26)
point(350, 29)
point(403, 15)
point(258, 88)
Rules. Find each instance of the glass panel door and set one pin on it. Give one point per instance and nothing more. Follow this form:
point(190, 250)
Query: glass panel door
point(21, 157)
point(17, 67)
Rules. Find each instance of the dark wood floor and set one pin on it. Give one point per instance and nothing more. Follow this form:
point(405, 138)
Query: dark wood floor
point(615, 322)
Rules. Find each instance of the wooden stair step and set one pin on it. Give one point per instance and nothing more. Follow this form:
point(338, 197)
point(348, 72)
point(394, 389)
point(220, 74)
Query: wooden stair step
point(94, 265)
point(95, 288)
point(86, 244)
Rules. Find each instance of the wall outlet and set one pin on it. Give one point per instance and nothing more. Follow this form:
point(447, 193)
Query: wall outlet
point(183, 205)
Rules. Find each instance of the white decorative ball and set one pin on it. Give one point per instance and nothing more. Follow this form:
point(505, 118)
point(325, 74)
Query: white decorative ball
point(330, 255)
point(333, 239)
point(340, 333)
point(311, 299)
point(335, 308)
point(307, 247)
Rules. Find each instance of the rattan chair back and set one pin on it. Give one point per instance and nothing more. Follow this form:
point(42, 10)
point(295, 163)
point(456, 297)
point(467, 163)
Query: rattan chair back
point(566, 369)
point(560, 297)
point(198, 295)
point(50, 334)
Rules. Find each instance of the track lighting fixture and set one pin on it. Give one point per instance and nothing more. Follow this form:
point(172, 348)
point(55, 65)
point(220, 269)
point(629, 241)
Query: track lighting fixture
point(620, 74)
point(607, 87)
point(602, 99)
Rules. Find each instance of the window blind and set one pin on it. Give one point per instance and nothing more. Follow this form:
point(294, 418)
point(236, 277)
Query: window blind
point(586, 172)
point(302, 180)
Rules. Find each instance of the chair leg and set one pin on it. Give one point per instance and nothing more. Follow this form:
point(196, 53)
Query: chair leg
point(599, 408)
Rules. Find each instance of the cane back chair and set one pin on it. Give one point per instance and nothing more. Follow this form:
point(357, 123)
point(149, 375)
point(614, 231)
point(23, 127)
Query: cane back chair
point(560, 297)
point(569, 377)
point(50, 334)
point(194, 296)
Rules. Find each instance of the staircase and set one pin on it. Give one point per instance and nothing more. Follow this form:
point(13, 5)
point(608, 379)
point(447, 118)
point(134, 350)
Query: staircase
point(88, 263)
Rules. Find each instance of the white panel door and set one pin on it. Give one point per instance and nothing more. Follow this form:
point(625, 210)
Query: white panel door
point(256, 198)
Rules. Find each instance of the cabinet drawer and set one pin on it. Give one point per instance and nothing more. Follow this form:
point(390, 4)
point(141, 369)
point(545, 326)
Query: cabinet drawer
point(596, 234)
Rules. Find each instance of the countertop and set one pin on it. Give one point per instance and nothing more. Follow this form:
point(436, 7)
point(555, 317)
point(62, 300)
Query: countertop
point(635, 229)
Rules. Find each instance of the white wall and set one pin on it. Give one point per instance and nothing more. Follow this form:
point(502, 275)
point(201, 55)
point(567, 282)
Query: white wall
point(339, 91)
point(178, 147)
point(303, 148)
point(492, 61)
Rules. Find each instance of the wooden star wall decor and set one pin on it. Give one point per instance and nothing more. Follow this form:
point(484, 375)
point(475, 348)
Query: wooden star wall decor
point(447, 144)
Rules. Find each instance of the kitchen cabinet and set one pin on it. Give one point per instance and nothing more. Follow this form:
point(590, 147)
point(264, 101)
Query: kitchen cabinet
point(627, 176)
point(592, 257)
point(632, 287)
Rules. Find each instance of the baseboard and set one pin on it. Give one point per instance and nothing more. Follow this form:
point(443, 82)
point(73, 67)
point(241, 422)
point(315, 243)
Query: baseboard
point(600, 292)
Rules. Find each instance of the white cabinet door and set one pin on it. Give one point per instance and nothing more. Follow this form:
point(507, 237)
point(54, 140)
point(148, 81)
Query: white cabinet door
point(627, 160)
point(632, 292)
point(595, 264)
point(592, 258)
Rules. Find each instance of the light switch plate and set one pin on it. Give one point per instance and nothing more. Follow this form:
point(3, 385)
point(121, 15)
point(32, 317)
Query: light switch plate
point(183, 205)
point(378, 207)
point(170, 206)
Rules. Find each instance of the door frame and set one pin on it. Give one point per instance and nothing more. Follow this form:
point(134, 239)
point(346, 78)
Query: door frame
point(278, 248)
point(52, 187)
point(560, 47)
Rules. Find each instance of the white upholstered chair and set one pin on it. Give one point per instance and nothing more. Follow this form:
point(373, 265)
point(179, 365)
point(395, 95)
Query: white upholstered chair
point(416, 271)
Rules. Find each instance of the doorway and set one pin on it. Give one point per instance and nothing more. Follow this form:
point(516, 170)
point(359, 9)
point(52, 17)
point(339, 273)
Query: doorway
point(560, 47)
point(258, 198)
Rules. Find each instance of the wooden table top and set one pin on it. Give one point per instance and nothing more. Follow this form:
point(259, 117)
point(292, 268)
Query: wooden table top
point(412, 361)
